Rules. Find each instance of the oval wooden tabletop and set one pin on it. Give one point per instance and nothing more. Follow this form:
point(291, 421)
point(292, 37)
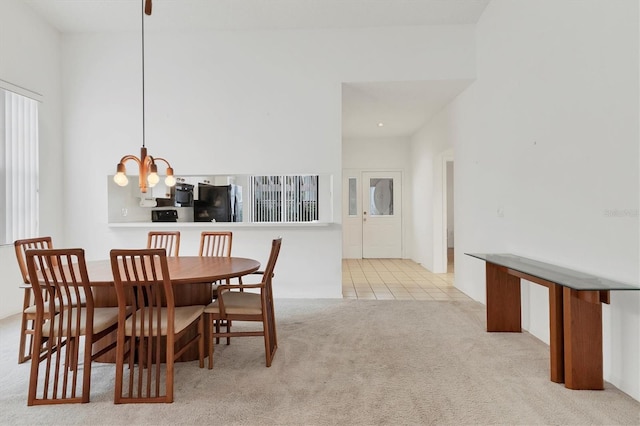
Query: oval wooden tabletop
point(183, 269)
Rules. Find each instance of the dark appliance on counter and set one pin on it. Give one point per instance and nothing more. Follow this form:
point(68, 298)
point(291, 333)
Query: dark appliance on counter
point(164, 215)
point(184, 195)
point(219, 203)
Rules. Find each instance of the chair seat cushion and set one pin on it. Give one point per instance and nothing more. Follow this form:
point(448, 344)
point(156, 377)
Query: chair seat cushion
point(237, 303)
point(32, 309)
point(103, 318)
point(184, 316)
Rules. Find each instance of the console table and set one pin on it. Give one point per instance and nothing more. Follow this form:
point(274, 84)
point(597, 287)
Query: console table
point(575, 311)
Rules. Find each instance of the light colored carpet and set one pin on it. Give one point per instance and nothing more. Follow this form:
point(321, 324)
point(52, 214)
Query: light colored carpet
point(347, 362)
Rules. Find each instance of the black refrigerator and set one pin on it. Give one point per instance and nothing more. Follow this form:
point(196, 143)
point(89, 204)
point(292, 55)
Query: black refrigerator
point(219, 203)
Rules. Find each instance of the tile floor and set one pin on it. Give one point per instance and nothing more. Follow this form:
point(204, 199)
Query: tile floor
point(396, 279)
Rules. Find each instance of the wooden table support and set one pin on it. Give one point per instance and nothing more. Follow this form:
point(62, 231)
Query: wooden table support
point(503, 300)
point(583, 339)
point(556, 334)
point(504, 311)
point(575, 313)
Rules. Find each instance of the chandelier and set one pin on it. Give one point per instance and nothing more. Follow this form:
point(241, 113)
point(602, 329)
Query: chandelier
point(148, 170)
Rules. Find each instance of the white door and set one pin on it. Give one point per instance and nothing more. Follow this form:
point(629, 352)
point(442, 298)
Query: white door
point(381, 215)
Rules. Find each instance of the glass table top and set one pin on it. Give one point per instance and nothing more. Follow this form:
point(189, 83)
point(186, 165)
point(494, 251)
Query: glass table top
point(564, 276)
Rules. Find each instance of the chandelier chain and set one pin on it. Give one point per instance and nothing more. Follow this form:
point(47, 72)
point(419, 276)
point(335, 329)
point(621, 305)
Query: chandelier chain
point(143, 102)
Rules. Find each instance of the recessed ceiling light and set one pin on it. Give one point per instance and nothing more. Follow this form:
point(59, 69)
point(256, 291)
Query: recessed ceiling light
point(380, 124)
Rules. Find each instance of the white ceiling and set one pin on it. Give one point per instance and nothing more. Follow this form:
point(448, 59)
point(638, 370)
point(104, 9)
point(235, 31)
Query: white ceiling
point(116, 15)
point(402, 106)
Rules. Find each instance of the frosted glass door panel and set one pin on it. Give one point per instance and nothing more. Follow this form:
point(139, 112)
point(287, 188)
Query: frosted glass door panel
point(381, 197)
point(353, 196)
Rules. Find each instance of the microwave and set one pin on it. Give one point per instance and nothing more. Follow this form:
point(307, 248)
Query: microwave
point(164, 215)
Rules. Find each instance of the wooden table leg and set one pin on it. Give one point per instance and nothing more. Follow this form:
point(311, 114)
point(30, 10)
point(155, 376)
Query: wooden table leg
point(583, 339)
point(503, 300)
point(556, 333)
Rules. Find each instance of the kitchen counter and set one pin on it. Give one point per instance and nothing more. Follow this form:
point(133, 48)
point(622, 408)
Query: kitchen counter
point(214, 225)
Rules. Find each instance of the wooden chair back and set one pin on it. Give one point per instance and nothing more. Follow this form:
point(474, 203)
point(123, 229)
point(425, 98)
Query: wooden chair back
point(216, 244)
point(268, 298)
point(21, 246)
point(25, 346)
point(55, 376)
point(168, 240)
point(144, 364)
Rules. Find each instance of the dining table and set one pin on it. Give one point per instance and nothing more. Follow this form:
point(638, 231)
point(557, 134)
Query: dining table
point(191, 277)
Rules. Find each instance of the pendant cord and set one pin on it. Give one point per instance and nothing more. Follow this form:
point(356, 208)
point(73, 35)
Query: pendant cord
point(143, 103)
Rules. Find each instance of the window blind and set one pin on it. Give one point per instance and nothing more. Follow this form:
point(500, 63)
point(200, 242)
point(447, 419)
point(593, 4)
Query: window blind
point(20, 166)
point(284, 198)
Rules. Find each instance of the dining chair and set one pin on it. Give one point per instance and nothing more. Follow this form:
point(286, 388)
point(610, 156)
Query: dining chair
point(216, 244)
point(25, 346)
point(168, 240)
point(247, 306)
point(56, 376)
point(150, 339)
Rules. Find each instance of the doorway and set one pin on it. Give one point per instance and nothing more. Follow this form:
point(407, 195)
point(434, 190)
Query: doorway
point(372, 218)
point(381, 215)
point(449, 219)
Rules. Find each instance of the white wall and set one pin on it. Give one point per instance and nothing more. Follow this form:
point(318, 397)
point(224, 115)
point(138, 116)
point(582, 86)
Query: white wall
point(234, 102)
point(549, 133)
point(30, 58)
point(372, 155)
point(430, 149)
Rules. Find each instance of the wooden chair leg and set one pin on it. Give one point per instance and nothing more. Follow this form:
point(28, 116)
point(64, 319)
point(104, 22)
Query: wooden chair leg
point(207, 318)
point(226, 323)
point(121, 353)
point(86, 377)
point(26, 331)
point(201, 342)
point(169, 376)
point(267, 344)
point(33, 383)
